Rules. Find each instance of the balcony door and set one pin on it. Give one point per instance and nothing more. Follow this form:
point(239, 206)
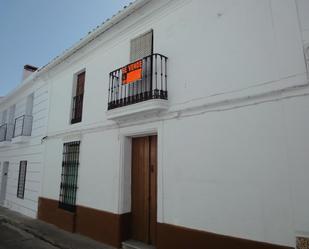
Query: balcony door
point(144, 189)
point(141, 46)
point(29, 104)
point(4, 177)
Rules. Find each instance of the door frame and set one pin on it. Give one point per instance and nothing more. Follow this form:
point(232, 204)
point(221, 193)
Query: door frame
point(3, 187)
point(125, 165)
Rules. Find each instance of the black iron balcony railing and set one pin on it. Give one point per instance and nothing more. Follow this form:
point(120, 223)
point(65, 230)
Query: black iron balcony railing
point(6, 132)
point(77, 109)
point(139, 81)
point(23, 126)
point(3, 131)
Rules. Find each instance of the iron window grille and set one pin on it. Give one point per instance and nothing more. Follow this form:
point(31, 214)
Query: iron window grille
point(21, 179)
point(151, 85)
point(23, 126)
point(68, 185)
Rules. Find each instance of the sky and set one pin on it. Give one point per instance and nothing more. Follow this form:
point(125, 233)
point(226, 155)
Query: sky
point(35, 31)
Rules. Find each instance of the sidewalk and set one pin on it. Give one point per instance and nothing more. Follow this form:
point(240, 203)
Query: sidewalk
point(49, 233)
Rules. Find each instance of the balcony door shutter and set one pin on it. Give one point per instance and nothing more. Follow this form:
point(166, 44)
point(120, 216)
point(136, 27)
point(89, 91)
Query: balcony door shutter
point(12, 114)
point(10, 126)
point(29, 104)
point(4, 117)
point(141, 46)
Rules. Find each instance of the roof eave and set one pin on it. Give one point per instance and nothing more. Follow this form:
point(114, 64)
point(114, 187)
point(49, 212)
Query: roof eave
point(82, 43)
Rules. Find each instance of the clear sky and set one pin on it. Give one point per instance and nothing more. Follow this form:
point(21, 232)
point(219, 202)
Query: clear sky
point(35, 31)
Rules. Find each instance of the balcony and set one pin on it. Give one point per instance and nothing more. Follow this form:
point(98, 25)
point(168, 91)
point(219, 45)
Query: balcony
point(6, 134)
point(138, 87)
point(77, 109)
point(22, 129)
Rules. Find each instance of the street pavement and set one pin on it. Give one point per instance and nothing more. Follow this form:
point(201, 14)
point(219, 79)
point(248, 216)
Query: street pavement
point(20, 232)
point(14, 238)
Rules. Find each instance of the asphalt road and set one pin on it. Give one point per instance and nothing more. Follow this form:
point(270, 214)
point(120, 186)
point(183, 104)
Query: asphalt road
point(14, 238)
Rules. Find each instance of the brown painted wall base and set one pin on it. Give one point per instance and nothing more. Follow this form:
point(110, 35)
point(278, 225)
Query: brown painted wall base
point(103, 226)
point(48, 211)
point(112, 229)
point(170, 236)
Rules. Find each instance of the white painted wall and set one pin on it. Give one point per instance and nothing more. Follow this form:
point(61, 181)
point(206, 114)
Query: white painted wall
point(230, 160)
point(303, 8)
point(31, 151)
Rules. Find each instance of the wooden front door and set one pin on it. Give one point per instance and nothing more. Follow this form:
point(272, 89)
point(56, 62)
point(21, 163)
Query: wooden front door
point(144, 189)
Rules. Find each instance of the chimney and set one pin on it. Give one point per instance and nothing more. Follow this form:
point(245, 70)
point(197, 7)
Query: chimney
point(28, 69)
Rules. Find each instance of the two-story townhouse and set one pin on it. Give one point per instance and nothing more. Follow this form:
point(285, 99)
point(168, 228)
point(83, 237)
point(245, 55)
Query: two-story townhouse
point(183, 124)
point(23, 125)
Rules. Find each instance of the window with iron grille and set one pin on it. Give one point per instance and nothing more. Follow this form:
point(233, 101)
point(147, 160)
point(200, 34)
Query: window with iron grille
point(21, 179)
point(68, 186)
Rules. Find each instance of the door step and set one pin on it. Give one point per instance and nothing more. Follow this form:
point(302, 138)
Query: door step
point(133, 244)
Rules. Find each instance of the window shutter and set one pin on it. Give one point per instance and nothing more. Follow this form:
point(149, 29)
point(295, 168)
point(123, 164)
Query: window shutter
point(80, 84)
point(29, 104)
point(141, 46)
point(12, 114)
point(4, 116)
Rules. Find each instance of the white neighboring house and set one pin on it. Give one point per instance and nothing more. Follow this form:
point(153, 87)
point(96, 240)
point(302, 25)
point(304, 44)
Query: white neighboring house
point(23, 125)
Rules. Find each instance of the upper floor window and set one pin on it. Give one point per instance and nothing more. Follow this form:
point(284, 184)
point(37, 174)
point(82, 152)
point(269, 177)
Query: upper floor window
point(77, 105)
point(23, 123)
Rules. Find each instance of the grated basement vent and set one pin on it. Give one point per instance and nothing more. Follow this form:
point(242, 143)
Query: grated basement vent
point(302, 243)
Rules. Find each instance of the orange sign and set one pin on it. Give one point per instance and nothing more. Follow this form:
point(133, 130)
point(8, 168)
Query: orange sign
point(132, 72)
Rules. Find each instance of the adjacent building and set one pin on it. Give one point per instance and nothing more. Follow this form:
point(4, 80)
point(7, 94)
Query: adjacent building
point(23, 125)
point(179, 124)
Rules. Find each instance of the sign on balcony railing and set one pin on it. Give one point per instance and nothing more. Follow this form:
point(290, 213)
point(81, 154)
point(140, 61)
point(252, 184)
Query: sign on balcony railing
point(23, 126)
point(132, 72)
point(141, 80)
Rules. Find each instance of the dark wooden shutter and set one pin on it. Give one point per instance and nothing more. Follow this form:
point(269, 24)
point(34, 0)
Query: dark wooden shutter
point(78, 99)
point(80, 84)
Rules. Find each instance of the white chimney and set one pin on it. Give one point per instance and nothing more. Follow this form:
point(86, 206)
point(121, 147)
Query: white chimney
point(28, 69)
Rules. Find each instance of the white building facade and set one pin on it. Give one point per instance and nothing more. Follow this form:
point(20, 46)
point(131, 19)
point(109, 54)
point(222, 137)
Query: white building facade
point(23, 125)
point(182, 124)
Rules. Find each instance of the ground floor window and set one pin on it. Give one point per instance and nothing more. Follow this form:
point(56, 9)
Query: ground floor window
point(21, 179)
point(68, 186)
